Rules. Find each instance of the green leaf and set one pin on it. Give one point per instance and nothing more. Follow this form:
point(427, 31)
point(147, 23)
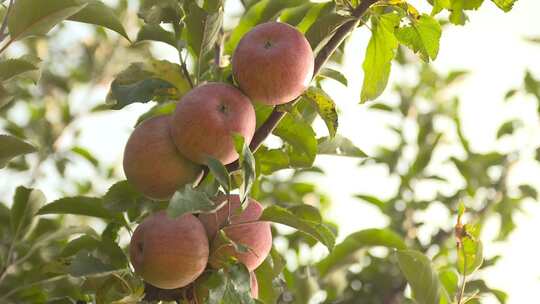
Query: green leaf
point(247, 164)
point(270, 161)
point(422, 36)
point(333, 74)
point(157, 11)
point(457, 7)
point(35, 17)
point(18, 67)
point(505, 5)
point(325, 106)
point(260, 12)
point(449, 278)
point(380, 51)
point(238, 285)
point(528, 191)
point(190, 200)
point(84, 153)
point(84, 264)
point(202, 29)
point(317, 230)
point(470, 256)
point(154, 32)
point(142, 82)
point(84, 242)
point(81, 205)
point(356, 241)
point(424, 281)
point(339, 146)
point(320, 32)
point(508, 128)
point(220, 173)
point(97, 13)
point(372, 200)
point(121, 197)
point(26, 204)
point(301, 137)
point(11, 147)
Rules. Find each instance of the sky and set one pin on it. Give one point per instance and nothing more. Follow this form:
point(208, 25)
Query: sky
point(490, 46)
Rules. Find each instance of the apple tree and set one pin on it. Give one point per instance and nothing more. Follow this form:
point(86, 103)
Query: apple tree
point(204, 209)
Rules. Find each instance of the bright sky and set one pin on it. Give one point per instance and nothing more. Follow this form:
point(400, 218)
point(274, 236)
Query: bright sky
point(490, 46)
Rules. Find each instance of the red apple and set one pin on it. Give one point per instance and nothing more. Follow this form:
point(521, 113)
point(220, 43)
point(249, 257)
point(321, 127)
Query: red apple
point(243, 229)
point(273, 63)
point(207, 117)
point(169, 252)
point(153, 165)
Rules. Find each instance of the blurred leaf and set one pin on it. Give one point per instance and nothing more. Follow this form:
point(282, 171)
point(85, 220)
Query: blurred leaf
point(325, 107)
point(260, 12)
point(470, 256)
point(270, 161)
point(121, 197)
point(84, 264)
point(238, 286)
point(81, 205)
point(457, 7)
point(157, 11)
point(449, 278)
point(284, 216)
point(380, 51)
point(320, 32)
point(528, 191)
point(220, 172)
point(26, 204)
point(84, 242)
point(301, 137)
point(247, 164)
point(372, 200)
point(34, 18)
point(339, 146)
point(295, 15)
point(424, 281)
point(202, 29)
point(505, 5)
point(19, 66)
point(357, 241)
point(97, 13)
point(11, 147)
point(154, 32)
point(333, 74)
point(189, 200)
point(508, 128)
point(421, 36)
point(84, 153)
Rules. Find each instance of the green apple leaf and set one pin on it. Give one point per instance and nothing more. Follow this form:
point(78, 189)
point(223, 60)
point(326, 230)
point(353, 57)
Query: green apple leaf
point(26, 204)
point(97, 13)
point(340, 146)
point(449, 278)
point(202, 29)
point(19, 67)
point(320, 32)
point(121, 197)
point(333, 74)
point(11, 147)
point(189, 200)
point(220, 172)
point(325, 106)
point(422, 36)
point(356, 241)
point(85, 264)
point(81, 205)
point(505, 5)
point(270, 161)
point(157, 11)
point(301, 137)
point(36, 17)
point(380, 51)
point(154, 32)
point(303, 223)
point(470, 256)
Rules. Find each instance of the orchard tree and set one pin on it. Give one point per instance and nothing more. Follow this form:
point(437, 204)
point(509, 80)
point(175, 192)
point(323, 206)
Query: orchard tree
point(193, 215)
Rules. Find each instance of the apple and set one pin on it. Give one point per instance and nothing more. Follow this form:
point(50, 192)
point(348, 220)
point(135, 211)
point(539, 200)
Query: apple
point(153, 165)
point(169, 252)
point(242, 228)
point(205, 120)
point(273, 63)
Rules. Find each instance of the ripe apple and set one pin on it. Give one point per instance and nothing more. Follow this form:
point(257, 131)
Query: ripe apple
point(153, 165)
point(243, 229)
point(273, 63)
point(169, 252)
point(205, 120)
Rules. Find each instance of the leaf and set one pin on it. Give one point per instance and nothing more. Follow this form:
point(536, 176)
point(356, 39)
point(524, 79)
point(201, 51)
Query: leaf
point(247, 163)
point(380, 51)
point(424, 281)
point(26, 204)
point(97, 13)
point(333, 74)
point(84, 242)
point(508, 128)
point(190, 200)
point(317, 230)
point(422, 36)
point(260, 12)
point(157, 11)
point(505, 5)
point(449, 278)
point(81, 205)
point(35, 18)
point(325, 107)
point(121, 197)
point(320, 32)
point(372, 200)
point(470, 256)
point(84, 264)
point(84, 153)
point(270, 161)
point(142, 82)
point(357, 241)
point(19, 66)
point(339, 146)
point(528, 191)
point(301, 137)
point(154, 32)
point(11, 147)
point(220, 172)
point(202, 29)
point(238, 285)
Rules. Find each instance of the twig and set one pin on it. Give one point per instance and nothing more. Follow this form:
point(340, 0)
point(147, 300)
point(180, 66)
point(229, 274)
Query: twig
point(3, 35)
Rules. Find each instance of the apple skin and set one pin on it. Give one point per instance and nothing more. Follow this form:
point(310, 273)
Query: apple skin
point(256, 236)
point(153, 165)
point(273, 63)
point(205, 120)
point(169, 252)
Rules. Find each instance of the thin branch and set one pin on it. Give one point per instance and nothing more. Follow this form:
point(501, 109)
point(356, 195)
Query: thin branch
point(3, 28)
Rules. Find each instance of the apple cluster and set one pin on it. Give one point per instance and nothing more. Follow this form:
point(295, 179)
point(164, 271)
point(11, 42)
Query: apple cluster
point(272, 64)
